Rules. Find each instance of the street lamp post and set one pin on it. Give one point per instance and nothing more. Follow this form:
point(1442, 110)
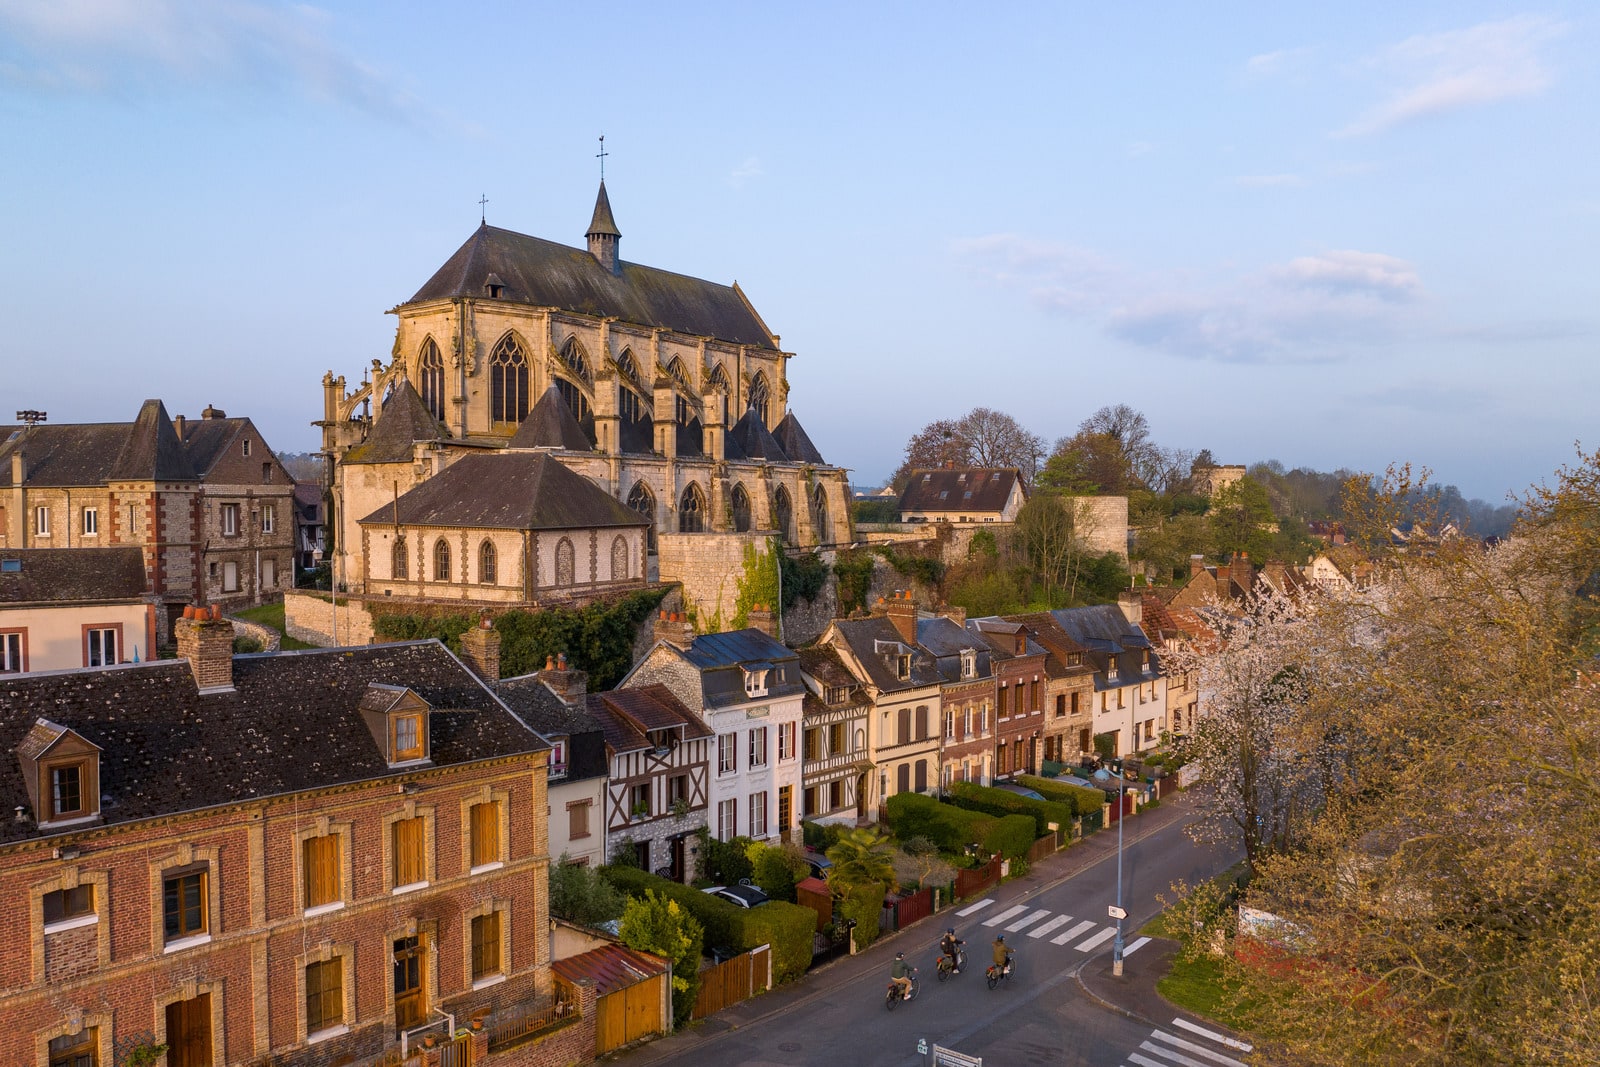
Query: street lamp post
point(1116, 946)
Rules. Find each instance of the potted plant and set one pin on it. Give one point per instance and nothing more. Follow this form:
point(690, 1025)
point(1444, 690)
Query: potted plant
point(680, 806)
point(641, 810)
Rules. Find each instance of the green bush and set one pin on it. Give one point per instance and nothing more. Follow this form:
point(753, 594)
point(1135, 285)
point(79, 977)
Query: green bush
point(864, 904)
point(949, 827)
point(777, 869)
point(581, 895)
point(1001, 802)
point(724, 862)
point(853, 569)
point(803, 577)
point(659, 924)
point(1083, 799)
point(821, 836)
point(1011, 836)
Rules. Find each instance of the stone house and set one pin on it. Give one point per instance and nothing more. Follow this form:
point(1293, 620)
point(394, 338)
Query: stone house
point(288, 856)
point(1129, 690)
point(746, 687)
point(1018, 663)
point(309, 545)
point(1173, 629)
point(62, 608)
point(963, 495)
point(966, 699)
point(836, 770)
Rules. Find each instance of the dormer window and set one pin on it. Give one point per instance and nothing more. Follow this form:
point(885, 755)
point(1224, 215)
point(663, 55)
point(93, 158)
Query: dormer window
point(1111, 668)
point(969, 663)
point(837, 694)
point(407, 737)
point(755, 680)
point(62, 771)
point(398, 720)
point(558, 758)
point(902, 666)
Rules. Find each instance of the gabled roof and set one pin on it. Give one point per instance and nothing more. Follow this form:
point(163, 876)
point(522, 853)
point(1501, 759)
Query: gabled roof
point(1000, 637)
point(544, 273)
point(792, 438)
point(551, 425)
point(72, 454)
point(750, 439)
point(205, 440)
point(870, 641)
point(55, 575)
point(735, 647)
point(152, 449)
point(402, 421)
point(291, 723)
point(626, 715)
point(945, 639)
point(1059, 646)
point(959, 489)
point(822, 663)
point(1108, 638)
point(508, 491)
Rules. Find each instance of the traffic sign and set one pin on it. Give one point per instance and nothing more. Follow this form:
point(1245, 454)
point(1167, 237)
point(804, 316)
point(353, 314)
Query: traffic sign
point(1116, 912)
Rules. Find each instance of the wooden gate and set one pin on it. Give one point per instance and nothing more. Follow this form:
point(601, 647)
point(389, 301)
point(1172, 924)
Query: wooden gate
point(629, 1014)
point(738, 979)
point(910, 909)
point(978, 879)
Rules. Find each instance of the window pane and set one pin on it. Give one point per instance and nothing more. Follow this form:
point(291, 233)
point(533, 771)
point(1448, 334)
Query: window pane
point(486, 945)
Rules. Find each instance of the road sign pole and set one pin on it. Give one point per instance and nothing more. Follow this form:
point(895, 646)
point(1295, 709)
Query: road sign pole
point(1116, 946)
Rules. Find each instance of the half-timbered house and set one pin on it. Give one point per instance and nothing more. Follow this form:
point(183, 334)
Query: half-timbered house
point(836, 771)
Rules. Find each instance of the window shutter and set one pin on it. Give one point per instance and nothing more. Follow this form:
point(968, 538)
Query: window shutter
point(485, 833)
point(321, 871)
point(408, 866)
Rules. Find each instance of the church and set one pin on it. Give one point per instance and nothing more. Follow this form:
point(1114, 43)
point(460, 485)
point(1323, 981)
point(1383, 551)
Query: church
point(667, 392)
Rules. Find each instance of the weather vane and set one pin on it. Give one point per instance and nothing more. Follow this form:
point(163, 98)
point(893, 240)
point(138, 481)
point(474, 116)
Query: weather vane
point(601, 156)
point(482, 200)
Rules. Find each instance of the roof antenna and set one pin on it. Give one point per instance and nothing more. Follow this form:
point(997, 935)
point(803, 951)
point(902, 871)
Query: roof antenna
point(482, 200)
point(601, 156)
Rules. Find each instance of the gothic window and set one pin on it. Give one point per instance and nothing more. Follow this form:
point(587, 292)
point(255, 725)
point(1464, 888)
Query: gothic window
point(758, 396)
point(679, 373)
point(642, 500)
point(564, 562)
point(508, 381)
point(486, 561)
point(400, 565)
point(783, 514)
point(819, 513)
point(741, 509)
point(630, 405)
point(619, 558)
point(577, 403)
point(628, 366)
point(430, 375)
point(720, 377)
point(572, 356)
point(441, 560)
point(692, 510)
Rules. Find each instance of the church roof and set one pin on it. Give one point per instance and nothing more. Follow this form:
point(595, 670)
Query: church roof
point(94, 453)
point(551, 425)
point(507, 491)
point(795, 443)
point(402, 422)
point(603, 223)
point(751, 439)
point(536, 271)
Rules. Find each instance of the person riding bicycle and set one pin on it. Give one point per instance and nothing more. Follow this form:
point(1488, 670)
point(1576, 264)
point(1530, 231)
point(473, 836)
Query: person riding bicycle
point(1002, 954)
point(949, 945)
point(900, 974)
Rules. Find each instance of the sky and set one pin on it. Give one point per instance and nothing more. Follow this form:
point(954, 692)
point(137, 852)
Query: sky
point(1337, 235)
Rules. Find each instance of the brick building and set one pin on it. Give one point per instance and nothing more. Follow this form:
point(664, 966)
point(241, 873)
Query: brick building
point(966, 699)
point(1068, 690)
point(292, 856)
point(1019, 677)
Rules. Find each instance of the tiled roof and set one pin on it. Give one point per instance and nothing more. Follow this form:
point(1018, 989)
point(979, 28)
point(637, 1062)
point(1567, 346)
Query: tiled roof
point(869, 640)
point(66, 574)
point(508, 491)
point(654, 707)
point(535, 271)
point(823, 664)
point(796, 444)
point(553, 717)
point(94, 453)
point(610, 968)
point(960, 489)
point(292, 723)
point(1058, 644)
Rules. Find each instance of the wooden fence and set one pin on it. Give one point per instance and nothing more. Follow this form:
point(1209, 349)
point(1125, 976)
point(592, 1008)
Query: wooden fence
point(978, 879)
point(629, 1014)
point(917, 906)
point(1045, 846)
point(738, 979)
point(457, 1052)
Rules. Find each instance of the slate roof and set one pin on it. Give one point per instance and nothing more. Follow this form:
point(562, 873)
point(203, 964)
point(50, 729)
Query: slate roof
point(55, 575)
point(551, 425)
point(94, 453)
point(292, 724)
point(1106, 634)
point(944, 639)
point(205, 440)
point(735, 647)
point(602, 222)
point(610, 967)
point(544, 273)
point(1000, 637)
point(626, 714)
point(1058, 644)
point(792, 438)
point(508, 491)
point(823, 663)
point(868, 639)
point(402, 421)
point(750, 439)
point(553, 717)
point(964, 489)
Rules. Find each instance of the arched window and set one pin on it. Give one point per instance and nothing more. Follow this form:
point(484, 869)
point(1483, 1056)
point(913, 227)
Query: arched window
point(577, 402)
point(642, 500)
point(741, 509)
point(486, 561)
point(508, 381)
point(819, 514)
point(399, 563)
point(441, 560)
point(630, 404)
point(783, 514)
point(758, 396)
point(692, 510)
point(564, 562)
point(619, 558)
point(680, 374)
point(720, 377)
point(430, 376)
point(628, 366)
point(572, 356)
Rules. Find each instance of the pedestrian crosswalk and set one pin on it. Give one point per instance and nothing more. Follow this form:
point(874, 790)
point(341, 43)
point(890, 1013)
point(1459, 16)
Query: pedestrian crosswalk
point(1194, 1046)
point(1085, 935)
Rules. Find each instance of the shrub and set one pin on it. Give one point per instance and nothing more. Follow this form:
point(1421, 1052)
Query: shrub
point(724, 862)
point(863, 904)
point(1011, 836)
point(821, 836)
point(1083, 799)
point(659, 924)
point(1002, 802)
point(582, 895)
point(777, 869)
point(951, 828)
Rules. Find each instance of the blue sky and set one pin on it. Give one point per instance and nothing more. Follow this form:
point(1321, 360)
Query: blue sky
point(1339, 236)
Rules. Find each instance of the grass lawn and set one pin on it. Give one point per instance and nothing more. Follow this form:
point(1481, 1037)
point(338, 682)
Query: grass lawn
point(272, 615)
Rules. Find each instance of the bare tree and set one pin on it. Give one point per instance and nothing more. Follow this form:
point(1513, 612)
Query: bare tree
point(982, 437)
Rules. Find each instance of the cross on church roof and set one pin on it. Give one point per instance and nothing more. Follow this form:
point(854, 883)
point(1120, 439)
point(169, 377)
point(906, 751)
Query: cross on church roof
point(601, 156)
point(482, 200)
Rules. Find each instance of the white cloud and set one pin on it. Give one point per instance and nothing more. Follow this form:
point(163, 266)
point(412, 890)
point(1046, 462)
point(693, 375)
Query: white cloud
point(1269, 181)
point(1442, 72)
point(1355, 273)
point(750, 168)
point(132, 46)
point(1273, 64)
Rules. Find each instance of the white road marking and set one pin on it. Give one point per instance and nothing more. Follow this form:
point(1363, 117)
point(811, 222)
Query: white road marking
point(1009, 913)
point(1027, 920)
point(1143, 1061)
point(1072, 933)
point(1198, 1050)
point(1097, 940)
point(1058, 921)
point(1221, 1039)
point(979, 906)
point(1129, 950)
point(1168, 1054)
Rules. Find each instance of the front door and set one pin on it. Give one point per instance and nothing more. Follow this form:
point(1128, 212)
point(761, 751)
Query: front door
point(785, 811)
point(680, 845)
point(189, 1032)
point(410, 1004)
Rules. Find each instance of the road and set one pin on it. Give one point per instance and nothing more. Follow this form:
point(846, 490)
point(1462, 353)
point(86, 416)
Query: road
point(836, 1017)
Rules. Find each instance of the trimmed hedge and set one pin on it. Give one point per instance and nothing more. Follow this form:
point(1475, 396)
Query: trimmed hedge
point(1084, 800)
point(788, 928)
point(1011, 837)
point(1001, 802)
point(953, 827)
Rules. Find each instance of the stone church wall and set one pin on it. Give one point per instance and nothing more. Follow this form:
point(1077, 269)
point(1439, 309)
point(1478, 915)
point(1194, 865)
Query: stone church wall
point(709, 566)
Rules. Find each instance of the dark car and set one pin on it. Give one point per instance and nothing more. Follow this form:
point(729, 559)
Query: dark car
point(1020, 790)
point(821, 866)
point(744, 894)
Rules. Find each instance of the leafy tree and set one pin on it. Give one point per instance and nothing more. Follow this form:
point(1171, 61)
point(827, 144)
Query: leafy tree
point(862, 857)
point(581, 895)
point(777, 868)
point(1241, 520)
point(658, 924)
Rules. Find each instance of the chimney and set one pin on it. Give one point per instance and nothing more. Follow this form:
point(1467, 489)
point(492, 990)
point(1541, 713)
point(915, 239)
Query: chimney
point(213, 413)
point(481, 648)
point(902, 611)
point(674, 628)
point(570, 685)
point(179, 424)
point(760, 618)
point(1197, 564)
point(1132, 604)
point(206, 641)
point(19, 469)
point(954, 614)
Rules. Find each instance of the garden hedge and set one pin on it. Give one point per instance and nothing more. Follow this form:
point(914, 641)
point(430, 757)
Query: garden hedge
point(1084, 800)
point(952, 828)
point(1002, 802)
point(1011, 836)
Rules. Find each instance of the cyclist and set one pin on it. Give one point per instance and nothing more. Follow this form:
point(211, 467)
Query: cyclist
point(1002, 954)
point(900, 974)
point(949, 944)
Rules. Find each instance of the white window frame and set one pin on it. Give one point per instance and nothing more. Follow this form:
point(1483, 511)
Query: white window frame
point(91, 522)
point(786, 733)
point(268, 518)
point(758, 815)
point(230, 520)
point(11, 652)
point(727, 754)
point(97, 636)
point(727, 819)
point(758, 747)
point(41, 520)
point(230, 585)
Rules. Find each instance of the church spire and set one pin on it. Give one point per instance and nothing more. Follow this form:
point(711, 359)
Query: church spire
point(603, 234)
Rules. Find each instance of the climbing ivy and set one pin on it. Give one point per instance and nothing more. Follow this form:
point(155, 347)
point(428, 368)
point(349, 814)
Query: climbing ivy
point(853, 568)
point(759, 583)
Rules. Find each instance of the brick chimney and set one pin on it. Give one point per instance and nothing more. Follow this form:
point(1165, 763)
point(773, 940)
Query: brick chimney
point(1131, 601)
point(568, 684)
point(674, 628)
point(481, 648)
point(954, 614)
point(760, 618)
point(1197, 564)
point(179, 425)
point(206, 641)
point(902, 611)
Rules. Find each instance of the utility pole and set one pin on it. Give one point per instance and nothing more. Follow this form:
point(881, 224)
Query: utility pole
point(1117, 911)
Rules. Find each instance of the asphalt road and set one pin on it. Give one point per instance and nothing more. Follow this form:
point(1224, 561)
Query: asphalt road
point(1041, 1016)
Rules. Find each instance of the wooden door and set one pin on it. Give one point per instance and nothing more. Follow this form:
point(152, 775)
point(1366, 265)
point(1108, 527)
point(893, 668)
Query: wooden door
point(189, 1032)
point(410, 1004)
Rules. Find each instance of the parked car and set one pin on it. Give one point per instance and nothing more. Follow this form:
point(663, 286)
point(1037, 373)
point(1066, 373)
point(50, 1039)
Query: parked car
point(1020, 790)
point(821, 866)
point(743, 895)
